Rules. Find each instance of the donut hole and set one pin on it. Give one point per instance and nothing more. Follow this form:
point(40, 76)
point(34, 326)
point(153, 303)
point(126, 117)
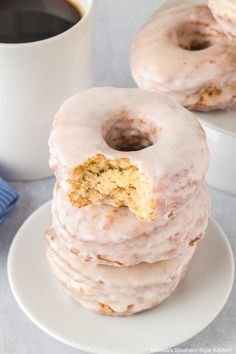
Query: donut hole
point(193, 38)
point(199, 45)
point(128, 134)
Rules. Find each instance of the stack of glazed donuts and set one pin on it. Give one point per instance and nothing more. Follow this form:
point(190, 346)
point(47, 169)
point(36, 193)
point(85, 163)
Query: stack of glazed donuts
point(188, 52)
point(130, 202)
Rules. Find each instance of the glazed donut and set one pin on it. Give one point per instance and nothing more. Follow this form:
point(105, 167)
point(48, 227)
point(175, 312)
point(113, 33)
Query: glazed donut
point(182, 53)
point(115, 291)
point(224, 12)
point(115, 237)
point(127, 147)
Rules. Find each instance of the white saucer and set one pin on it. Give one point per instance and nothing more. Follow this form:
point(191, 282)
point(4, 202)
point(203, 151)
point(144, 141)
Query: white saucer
point(220, 128)
point(194, 304)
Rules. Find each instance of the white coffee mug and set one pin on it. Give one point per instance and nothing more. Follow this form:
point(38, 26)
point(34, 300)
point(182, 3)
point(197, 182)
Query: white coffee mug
point(35, 78)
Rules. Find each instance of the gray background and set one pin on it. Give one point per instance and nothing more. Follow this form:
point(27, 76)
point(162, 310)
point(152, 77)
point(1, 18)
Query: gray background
point(116, 23)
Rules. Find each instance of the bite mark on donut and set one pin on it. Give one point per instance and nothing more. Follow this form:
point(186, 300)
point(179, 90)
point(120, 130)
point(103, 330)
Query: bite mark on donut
point(112, 181)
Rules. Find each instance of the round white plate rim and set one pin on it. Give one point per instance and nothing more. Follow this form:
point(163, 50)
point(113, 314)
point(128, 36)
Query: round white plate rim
point(91, 349)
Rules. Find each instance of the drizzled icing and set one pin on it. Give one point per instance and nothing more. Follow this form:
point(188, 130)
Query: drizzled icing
point(114, 236)
point(224, 12)
point(117, 287)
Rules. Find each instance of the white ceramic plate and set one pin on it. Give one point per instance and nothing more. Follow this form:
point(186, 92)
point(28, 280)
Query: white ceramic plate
point(194, 304)
point(220, 128)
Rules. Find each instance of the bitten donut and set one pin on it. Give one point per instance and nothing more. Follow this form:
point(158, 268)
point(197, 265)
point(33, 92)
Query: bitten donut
point(127, 147)
point(115, 237)
point(115, 291)
point(183, 53)
point(224, 12)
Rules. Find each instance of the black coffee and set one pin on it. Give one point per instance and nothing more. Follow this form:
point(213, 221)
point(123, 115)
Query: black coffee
point(23, 21)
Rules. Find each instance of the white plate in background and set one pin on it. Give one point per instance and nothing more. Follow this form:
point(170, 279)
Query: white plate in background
point(220, 128)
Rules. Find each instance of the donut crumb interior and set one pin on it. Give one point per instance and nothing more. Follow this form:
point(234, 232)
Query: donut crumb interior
point(112, 181)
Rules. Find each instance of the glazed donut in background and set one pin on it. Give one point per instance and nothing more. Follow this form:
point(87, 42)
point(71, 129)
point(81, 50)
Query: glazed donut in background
point(183, 53)
point(115, 237)
point(111, 290)
point(224, 12)
point(128, 147)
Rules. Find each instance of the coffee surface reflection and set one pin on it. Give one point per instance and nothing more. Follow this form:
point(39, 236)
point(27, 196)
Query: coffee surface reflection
point(23, 21)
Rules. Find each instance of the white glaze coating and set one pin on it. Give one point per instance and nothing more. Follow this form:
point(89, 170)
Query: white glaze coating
point(139, 286)
point(176, 163)
point(114, 236)
point(224, 12)
point(158, 63)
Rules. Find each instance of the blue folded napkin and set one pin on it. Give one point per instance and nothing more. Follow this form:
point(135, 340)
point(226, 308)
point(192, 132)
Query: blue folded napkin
point(8, 197)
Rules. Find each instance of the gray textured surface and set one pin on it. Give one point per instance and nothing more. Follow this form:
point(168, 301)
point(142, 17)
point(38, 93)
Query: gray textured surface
point(116, 23)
